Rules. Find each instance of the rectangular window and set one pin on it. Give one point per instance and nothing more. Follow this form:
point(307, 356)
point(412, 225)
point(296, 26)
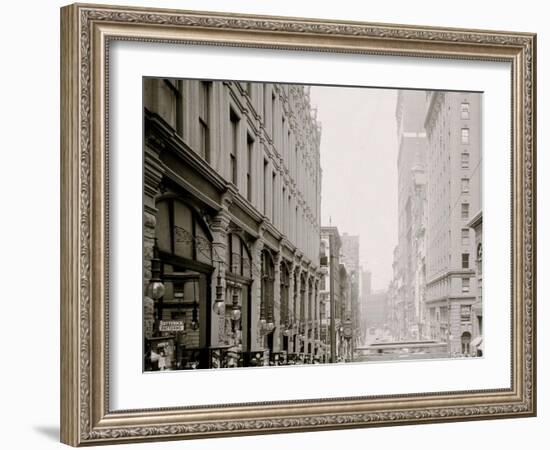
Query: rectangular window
point(264, 102)
point(465, 136)
point(465, 236)
point(465, 313)
point(465, 184)
point(465, 285)
point(234, 142)
point(465, 161)
point(204, 103)
point(465, 211)
point(465, 111)
point(249, 161)
point(443, 314)
point(289, 222)
point(273, 177)
point(265, 186)
point(273, 106)
point(283, 212)
point(465, 260)
point(175, 87)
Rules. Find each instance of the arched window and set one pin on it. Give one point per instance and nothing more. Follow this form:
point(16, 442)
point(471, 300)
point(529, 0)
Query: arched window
point(466, 338)
point(239, 260)
point(480, 258)
point(185, 252)
point(181, 232)
point(303, 299)
point(310, 307)
point(285, 284)
point(268, 280)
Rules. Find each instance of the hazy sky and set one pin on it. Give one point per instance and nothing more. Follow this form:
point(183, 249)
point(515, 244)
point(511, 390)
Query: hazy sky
point(359, 163)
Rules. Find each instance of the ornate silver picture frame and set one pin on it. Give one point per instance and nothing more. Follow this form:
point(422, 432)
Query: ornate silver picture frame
point(87, 413)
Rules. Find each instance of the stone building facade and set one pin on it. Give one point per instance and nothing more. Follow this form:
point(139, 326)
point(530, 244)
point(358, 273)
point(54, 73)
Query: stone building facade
point(350, 258)
point(232, 184)
point(335, 296)
point(409, 255)
point(453, 121)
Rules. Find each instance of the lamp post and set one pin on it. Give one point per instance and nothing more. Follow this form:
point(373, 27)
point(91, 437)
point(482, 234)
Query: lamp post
point(219, 303)
point(235, 306)
point(156, 289)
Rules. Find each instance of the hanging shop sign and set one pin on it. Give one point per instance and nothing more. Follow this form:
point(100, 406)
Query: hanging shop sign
point(171, 325)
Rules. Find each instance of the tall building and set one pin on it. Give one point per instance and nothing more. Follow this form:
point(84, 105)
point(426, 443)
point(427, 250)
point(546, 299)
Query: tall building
point(350, 258)
point(350, 251)
point(366, 283)
point(366, 289)
point(232, 184)
point(409, 257)
point(454, 198)
point(376, 311)
point(332, 292)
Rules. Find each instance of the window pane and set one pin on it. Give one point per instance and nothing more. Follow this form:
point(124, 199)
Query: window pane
point(465, 212)
point(183, 232)
point(465, 313)
point(163, 227)
point(465, 161)
point(465, 136)
point(465, 236)
point(465, 260)
point(203, 244)
point(465, 111)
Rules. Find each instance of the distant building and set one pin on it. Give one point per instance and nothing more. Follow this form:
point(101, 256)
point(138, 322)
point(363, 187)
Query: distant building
point(350, 258)
point(409, 256)
point(366, 289)
point(366, 283)
point(376, 311)
point(333, 302)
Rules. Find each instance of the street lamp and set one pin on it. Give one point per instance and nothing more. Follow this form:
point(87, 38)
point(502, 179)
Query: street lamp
point(156, 288)
point(219, 303)
point(195, 312)
point(235, 307)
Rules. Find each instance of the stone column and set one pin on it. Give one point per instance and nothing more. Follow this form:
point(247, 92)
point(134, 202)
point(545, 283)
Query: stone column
point(315, 314)
point(297, 300)
point(306, 313)
point(277, 302)
point(153, 172)
point(219, 226)
point(291, 305)
point(256, 338)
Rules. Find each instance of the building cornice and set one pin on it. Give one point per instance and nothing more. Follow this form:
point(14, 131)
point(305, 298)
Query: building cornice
point(450, 273)
point(476, 220)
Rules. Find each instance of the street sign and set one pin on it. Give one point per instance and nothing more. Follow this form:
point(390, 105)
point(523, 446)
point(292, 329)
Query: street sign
point(171, 325)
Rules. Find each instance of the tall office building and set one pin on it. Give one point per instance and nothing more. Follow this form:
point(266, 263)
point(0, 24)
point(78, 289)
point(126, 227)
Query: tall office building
point(232, 184)
point(453, 127)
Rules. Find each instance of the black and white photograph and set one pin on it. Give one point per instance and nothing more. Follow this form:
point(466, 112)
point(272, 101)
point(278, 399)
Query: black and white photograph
point(306, 224)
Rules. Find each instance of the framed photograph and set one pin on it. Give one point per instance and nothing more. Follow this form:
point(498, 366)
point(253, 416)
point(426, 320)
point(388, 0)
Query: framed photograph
point(277, 224)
